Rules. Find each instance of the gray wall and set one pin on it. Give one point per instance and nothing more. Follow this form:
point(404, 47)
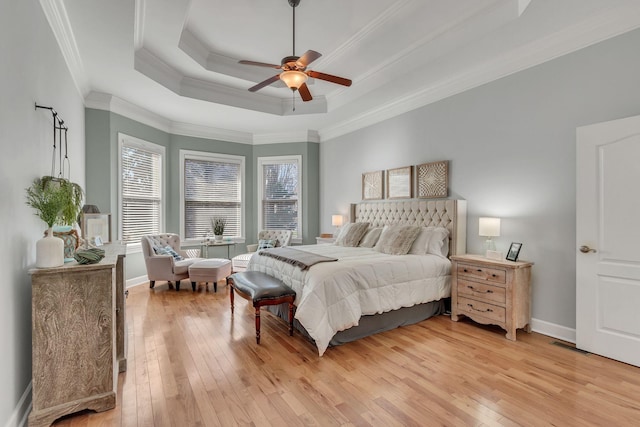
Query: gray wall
point(32, 70)
point(511, 146)
point(102, 128)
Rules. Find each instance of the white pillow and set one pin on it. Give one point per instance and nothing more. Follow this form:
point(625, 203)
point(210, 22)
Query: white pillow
point(431, 240)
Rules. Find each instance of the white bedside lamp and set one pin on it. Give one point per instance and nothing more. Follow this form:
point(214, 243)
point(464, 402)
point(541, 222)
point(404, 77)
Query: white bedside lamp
point(490, 227)
point(337, 221)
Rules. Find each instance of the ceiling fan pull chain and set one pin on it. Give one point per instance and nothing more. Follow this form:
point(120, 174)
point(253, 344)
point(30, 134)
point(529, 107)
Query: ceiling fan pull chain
point(293, 98)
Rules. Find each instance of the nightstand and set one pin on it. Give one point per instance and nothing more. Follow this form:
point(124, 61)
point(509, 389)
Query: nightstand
point(325, 240)
point(492, 292)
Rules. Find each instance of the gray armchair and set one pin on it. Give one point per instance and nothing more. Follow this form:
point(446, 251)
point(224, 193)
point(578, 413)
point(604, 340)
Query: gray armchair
point(165, 267)
point(282, 238)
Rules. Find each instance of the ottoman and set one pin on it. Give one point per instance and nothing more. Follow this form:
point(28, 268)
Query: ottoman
point(209, 270)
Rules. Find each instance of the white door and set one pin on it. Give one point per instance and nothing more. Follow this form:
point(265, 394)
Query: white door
point(608, 239)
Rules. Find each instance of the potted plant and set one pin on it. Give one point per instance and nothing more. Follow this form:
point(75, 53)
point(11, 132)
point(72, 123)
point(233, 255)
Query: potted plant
point(72, 196)
point(48, 201)
point(218, 224)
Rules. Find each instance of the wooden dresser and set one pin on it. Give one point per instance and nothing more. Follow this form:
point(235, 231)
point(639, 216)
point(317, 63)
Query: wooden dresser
point(78, 336)
point(492, 292)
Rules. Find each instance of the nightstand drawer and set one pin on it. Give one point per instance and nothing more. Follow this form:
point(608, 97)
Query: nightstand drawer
point(482, 291)
point(494, 275)
point(477, 308)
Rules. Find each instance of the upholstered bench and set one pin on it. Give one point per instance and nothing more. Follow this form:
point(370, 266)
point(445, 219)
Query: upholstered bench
point(209, 270)
point(261, 289)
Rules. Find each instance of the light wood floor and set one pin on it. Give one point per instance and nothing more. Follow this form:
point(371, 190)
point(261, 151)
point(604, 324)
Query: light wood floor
point(191, 364)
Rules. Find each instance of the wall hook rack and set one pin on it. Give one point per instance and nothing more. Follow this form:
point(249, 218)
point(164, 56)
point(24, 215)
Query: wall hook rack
point(58, 128)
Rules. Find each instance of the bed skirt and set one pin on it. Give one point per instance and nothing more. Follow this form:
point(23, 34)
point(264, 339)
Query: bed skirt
point(371, 324)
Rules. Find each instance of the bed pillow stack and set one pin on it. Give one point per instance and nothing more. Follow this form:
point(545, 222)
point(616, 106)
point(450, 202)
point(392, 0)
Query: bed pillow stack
point(397, 239)
point(351, 234)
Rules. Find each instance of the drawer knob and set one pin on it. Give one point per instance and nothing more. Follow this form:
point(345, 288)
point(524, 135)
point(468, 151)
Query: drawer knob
point(488, 291)
point(488, 310)
point(479, 270)
point(465, 270)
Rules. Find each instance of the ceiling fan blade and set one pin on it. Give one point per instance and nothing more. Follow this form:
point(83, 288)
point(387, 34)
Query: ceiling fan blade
point(329, 78)
point(265, 83)
point(307, 58)
point(304, 92)
point(259, 64)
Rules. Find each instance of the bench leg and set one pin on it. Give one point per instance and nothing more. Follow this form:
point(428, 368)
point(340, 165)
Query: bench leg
point(215, 286)
point(231, 297)
point(152, 284)
point(258, 324)
point(193, 286)
point(177, 285)
point(290, 319)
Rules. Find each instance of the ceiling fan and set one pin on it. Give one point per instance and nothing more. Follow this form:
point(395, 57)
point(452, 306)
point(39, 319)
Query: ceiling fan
point(294, 68)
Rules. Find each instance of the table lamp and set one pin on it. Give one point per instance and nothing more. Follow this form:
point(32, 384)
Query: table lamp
point(490, 227)
point(336, 221)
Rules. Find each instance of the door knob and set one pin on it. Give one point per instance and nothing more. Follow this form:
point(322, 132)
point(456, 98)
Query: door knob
point(586, 249)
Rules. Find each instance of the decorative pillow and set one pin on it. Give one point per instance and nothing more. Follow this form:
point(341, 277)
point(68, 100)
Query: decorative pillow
point(351, 234)
point(371, 238)
point(168, 250)
point(266, 244)
point(397, 239)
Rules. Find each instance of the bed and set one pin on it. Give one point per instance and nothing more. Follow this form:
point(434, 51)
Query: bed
point(365, 291)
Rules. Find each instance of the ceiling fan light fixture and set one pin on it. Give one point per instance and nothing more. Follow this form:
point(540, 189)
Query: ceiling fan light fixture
point(293, 79)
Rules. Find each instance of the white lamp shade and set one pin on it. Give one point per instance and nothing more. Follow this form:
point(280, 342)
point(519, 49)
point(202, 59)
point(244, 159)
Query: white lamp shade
point(336, 220)
point(489, 227)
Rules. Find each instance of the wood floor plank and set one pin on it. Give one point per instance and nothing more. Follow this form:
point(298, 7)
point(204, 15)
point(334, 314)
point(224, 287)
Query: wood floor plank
point(191, 363)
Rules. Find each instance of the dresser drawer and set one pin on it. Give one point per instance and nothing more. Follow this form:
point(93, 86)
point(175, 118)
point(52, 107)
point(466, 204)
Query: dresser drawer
point(482, 291)
point(482, 309)
point(494, 275)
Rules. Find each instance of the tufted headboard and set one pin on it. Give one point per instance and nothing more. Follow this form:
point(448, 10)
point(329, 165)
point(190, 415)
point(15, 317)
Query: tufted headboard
point(450, 214)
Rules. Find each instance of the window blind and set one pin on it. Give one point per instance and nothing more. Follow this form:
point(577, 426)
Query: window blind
point(141, 198)
point(212, 188)
point(280, 196)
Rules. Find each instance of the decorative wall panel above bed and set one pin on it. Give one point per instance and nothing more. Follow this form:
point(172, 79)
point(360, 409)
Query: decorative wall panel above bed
point(447, 213)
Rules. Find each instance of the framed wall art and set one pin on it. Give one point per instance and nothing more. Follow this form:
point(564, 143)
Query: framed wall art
point(433, 179)
point(372, 185)
point(400, 183)
point(96, 225)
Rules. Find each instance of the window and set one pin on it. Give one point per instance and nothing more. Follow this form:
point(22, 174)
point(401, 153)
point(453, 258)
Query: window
point(211, 186)
point(141, 188)
point(280, 194)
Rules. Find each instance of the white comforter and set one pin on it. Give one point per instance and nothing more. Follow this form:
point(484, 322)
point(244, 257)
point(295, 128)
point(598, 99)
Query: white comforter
point(332, 296)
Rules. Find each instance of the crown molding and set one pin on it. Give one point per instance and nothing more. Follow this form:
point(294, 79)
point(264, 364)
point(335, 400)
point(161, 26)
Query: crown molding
point(56, 15)
point(571, 39)
point(286, 137)
point(140, 9)
point(198, 131)
point(106, 102)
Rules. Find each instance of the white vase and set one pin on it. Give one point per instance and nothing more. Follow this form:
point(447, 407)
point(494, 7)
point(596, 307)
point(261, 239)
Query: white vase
point(218, 238)
point(49, 251)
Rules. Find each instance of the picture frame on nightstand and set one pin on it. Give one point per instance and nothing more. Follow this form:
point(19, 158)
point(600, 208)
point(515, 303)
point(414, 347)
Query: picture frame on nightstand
point(514, 251)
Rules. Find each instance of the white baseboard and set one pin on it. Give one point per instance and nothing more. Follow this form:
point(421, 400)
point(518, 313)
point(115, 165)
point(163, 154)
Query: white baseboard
point(135, 281)
point(19, 416)
point(553, 330)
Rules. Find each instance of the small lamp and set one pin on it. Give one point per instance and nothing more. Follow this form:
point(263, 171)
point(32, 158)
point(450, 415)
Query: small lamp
point(336, 221)
point(489, 227)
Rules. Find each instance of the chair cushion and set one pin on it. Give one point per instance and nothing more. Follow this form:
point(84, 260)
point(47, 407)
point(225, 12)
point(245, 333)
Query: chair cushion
point(240, 262)
point(266, 244)
point(182, 266)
